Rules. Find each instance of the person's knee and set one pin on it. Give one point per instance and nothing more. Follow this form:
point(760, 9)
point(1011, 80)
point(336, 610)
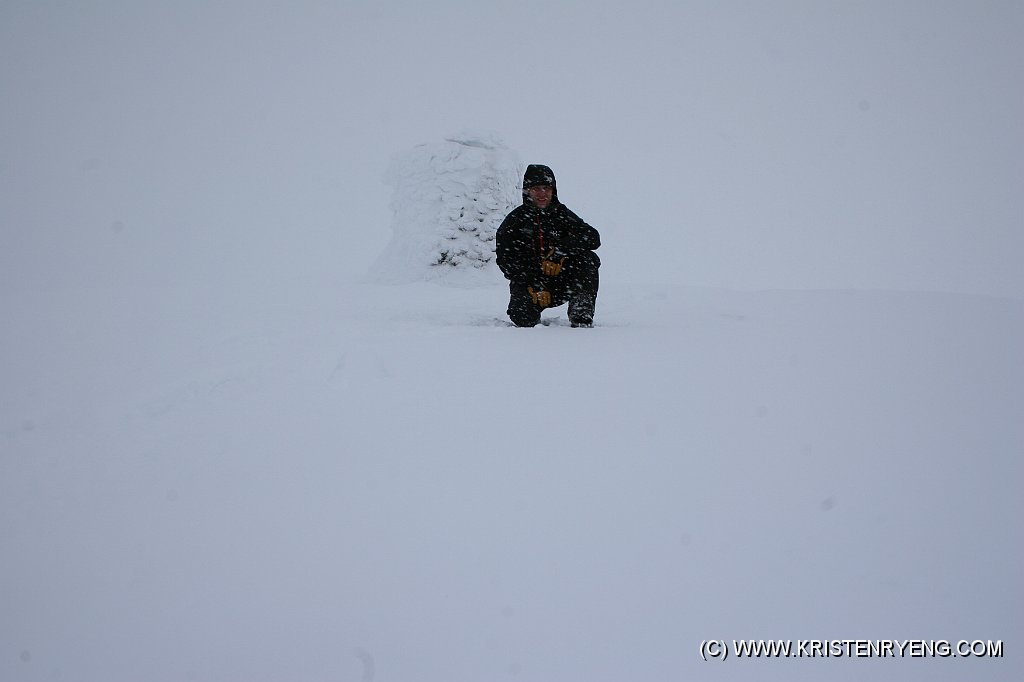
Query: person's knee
point(523, 313)
point(523, 318)
point(589, 260)
point(584, 275)
point(520, 322)
point(521, 309)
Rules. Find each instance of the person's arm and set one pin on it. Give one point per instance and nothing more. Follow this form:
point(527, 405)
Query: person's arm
point(514, 251)
point(576, 235)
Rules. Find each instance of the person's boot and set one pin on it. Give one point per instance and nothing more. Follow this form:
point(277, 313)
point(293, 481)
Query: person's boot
point(581, 310)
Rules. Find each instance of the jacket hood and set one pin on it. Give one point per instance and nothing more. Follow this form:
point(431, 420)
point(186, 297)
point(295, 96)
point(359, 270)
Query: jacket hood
point(538, 174)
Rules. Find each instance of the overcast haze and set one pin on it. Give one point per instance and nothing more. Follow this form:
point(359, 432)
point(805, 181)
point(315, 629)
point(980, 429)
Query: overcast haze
point(734, 144)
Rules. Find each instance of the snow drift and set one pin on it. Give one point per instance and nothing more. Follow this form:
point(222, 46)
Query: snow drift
point(449, 199)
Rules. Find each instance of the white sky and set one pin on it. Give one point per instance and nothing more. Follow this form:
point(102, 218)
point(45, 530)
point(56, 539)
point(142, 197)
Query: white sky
point(736, 144)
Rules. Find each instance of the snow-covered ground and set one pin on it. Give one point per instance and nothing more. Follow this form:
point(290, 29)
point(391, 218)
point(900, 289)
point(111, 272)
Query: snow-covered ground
point(230, 452)
point(363, 482)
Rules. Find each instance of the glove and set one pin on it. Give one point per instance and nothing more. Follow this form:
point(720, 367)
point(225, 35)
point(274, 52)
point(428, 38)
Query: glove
point(551, 267)
point(540, 298)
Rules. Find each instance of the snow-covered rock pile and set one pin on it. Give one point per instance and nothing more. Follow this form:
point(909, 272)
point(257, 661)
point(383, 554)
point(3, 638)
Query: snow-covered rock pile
point(449, 199)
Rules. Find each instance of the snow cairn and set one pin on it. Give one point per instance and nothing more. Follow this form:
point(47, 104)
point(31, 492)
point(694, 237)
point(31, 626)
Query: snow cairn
point(449, 199)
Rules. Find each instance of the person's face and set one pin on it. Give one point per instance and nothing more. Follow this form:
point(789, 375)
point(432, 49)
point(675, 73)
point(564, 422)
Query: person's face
point(541, 195)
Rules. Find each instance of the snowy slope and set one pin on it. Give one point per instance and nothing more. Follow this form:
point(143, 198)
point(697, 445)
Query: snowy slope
point(341, 481)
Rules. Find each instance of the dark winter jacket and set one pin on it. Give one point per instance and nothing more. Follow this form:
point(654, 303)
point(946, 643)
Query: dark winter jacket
point(528, 234)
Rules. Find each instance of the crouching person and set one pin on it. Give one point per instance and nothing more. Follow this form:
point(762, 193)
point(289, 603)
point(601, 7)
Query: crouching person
point(546, 252)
